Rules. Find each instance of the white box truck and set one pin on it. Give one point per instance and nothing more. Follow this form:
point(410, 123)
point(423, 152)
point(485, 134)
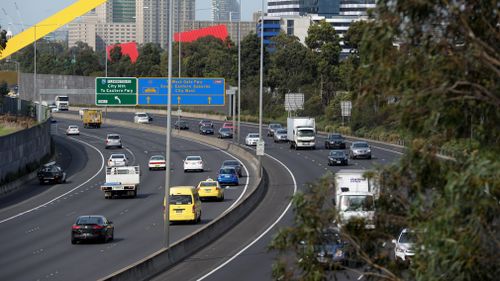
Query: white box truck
point(121, 181)
point(355, 196)
point(301, 132)
point(62, 103)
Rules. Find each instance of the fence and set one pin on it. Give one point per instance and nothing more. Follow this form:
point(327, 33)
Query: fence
point(19, 107)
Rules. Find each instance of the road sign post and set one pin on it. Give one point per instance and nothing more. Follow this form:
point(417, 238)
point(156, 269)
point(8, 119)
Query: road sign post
point(260, 148)
point(116, 91)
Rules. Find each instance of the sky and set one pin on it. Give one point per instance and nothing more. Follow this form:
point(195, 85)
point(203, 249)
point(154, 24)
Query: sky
point(33, 11)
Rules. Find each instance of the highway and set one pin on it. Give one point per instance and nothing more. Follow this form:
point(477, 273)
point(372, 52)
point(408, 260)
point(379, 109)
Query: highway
point(242, 253)
point(35, 223)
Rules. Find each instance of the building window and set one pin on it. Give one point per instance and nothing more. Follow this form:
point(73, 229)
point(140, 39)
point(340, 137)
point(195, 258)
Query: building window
point(289, 27)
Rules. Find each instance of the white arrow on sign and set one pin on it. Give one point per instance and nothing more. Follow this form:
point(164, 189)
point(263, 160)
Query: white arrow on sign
point(118, 99)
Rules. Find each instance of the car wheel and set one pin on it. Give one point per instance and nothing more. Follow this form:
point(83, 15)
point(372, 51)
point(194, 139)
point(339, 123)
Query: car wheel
point(185, 171)
point(222, 198)
point(370, 157)
point(150, 168)
point(73, 241)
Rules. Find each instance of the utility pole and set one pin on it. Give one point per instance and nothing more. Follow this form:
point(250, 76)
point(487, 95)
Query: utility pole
point(261, 81)
point(239, 75)
point(169, 120)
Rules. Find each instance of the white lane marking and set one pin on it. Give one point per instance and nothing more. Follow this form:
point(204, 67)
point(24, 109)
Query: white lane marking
point(263, 233)
point(64, 194)
point(230, 155)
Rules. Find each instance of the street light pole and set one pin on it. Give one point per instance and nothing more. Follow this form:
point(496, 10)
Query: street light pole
point(239, 74)
point(261, 81)
point(180, 62)
point(39, 111)
point(169, 119)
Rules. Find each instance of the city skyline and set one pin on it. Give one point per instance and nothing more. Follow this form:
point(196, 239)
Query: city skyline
point(28, 13)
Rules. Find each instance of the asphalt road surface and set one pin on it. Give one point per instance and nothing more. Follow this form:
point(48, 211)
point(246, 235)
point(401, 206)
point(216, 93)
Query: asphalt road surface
point(35, 222)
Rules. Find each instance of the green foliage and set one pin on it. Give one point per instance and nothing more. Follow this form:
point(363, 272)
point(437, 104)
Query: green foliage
point(3, 39)
point(4, 88)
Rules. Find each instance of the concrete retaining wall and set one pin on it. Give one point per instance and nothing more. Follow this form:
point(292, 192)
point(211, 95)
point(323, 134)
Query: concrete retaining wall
point(22, 149)
point(165, 258)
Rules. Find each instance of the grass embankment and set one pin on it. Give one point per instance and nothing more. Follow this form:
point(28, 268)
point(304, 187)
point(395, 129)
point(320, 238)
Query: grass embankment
point(11, 124)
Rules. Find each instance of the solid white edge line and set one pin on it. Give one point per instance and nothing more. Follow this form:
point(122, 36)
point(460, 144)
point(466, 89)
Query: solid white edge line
point(265, 232)
point(64, 194)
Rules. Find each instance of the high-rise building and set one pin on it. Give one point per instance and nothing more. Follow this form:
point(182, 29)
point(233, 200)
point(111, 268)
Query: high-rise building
point(276, 8)
point(152, 19)
point(123, 11)
point(225, 10)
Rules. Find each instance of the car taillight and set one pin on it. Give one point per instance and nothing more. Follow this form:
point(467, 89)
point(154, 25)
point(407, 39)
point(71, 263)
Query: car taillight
point(75, 227)
point(97, 227)
point(194, 210)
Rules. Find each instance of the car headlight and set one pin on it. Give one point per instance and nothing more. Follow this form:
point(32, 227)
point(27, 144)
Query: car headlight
point(339, 253)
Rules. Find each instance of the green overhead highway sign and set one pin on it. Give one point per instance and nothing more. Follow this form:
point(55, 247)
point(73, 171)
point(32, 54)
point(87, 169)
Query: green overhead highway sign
point(116, 91)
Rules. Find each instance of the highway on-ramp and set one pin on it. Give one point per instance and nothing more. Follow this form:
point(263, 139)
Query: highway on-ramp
point(35, 228)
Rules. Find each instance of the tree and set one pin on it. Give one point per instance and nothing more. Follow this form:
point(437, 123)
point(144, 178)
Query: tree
point(431, 70)
point(3, 39)
point(148, 61)
point(323, 40)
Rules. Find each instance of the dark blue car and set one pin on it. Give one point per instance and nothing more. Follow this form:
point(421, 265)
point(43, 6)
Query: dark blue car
point(227, 176)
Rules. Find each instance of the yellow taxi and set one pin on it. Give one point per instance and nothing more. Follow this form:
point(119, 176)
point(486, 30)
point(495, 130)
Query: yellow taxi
point(210, 189)
point(184, 204)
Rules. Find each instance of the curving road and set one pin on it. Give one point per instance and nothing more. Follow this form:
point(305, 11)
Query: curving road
point(35, 223)
point(242, 253)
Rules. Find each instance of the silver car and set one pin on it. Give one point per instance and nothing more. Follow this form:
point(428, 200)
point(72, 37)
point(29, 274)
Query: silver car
point(272, 128)
point(360, 149)
point(113, 140)
point(280, 135)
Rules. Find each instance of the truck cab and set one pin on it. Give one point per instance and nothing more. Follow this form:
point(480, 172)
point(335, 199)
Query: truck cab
point(301, 132)
point(355, 196)
point(62, 103)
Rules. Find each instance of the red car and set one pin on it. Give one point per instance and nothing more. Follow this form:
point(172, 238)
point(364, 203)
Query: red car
point(228, 125)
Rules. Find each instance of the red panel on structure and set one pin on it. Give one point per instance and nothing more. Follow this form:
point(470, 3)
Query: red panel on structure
point(217, 31)
point(129, 49)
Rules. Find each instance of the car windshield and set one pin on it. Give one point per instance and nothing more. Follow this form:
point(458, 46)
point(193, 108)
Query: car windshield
point(360, 144)
point(208, 183)
point(274, 126)
point(193, 158)
point(180, 199)
point(73, 127)
point(335, 137)
point(89, 220)
point(142, 115)
point(113, 137)
point(231, 163)
point(357, 203)
point(337, 153)
point(281, 131)
point(253, 135)
point(117, 156)
point(407, 237)
point(225, 130)
point(227, 171)
point(305, 133)
point(157, 158)
point(63, 99)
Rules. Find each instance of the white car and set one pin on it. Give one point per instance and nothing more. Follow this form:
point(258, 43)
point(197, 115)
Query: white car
point(72, 130)
point(404, 245)
point(117, 160)
point(193, 163)
point(141, 117)
point(157, 162)
point(252, 139)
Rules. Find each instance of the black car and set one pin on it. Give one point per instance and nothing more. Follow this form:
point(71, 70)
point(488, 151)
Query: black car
point(332, 251)
point(337, 157)
point(181, 125)
point(206, 130)
point(96, 228)
point(51, 172)
point(335, 141)
point(225, 133)
point(235, 164)
point(206, 123)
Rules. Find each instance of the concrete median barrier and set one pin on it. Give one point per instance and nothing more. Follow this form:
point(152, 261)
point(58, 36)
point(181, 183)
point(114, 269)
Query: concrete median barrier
point(165, 258)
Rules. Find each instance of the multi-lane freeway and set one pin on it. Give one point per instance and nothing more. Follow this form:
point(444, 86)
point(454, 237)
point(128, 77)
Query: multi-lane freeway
point(40, 248)
point(35, 231)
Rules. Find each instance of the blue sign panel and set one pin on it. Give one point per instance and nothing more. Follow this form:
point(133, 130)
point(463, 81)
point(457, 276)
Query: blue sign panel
point(185, 91)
